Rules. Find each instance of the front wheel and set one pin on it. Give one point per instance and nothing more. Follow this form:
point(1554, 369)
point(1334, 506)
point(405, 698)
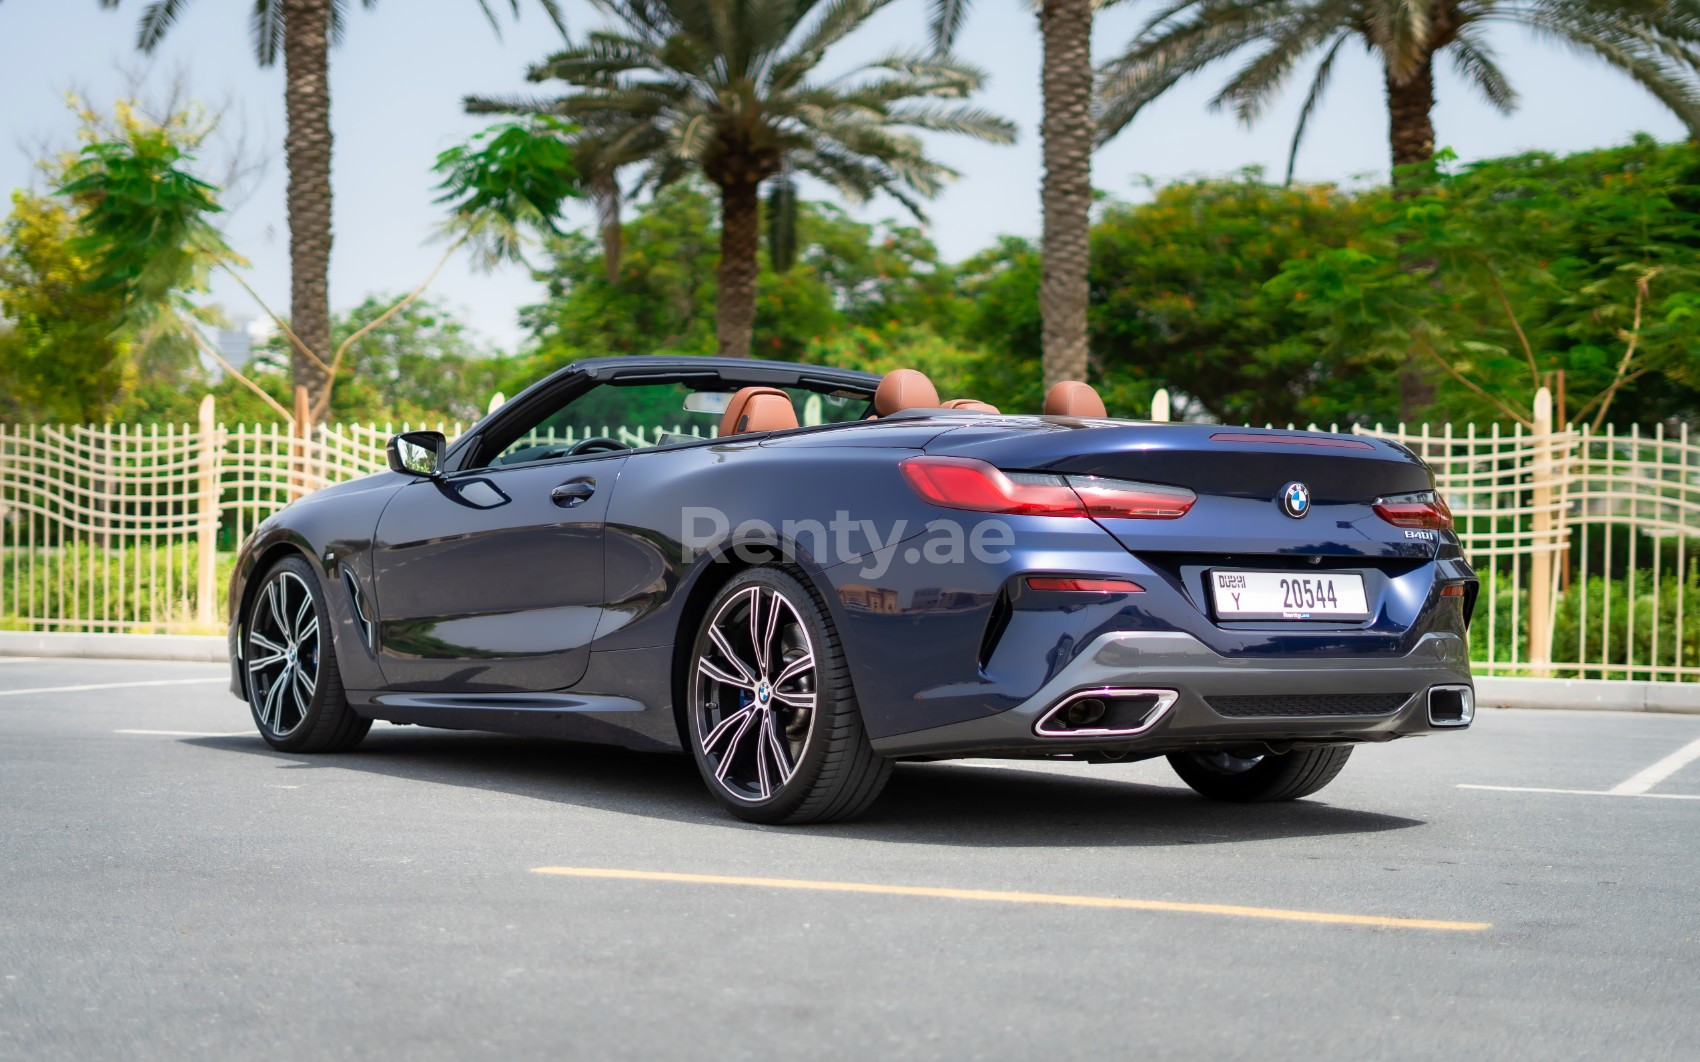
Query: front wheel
point(772, 719)
point(1259, 779)
point(294, 687)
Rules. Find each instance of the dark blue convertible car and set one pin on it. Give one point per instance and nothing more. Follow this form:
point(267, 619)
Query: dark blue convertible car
point(818, 572)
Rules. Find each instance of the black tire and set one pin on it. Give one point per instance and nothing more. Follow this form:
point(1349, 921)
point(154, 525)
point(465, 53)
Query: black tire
point(1288, 776)
point(296, 699)
point(834, 772)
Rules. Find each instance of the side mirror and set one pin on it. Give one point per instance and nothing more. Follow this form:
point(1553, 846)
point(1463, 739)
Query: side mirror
point(417, 453)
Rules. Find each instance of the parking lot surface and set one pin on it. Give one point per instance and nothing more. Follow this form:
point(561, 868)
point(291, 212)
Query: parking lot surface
point(172, 888)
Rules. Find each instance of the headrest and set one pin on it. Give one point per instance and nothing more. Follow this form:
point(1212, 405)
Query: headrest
point(755, 409)
point(1071, 398)
point(971, 403)
point(905, 389)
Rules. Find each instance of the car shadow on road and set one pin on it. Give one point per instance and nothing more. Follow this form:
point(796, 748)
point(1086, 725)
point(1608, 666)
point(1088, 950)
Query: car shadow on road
point(925, 803)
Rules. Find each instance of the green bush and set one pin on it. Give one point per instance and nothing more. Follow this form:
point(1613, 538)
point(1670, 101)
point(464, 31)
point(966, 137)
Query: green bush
point(88, 587)
point(1653, 635)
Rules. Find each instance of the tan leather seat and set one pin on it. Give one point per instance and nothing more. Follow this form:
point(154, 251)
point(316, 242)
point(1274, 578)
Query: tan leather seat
point(1071, 398)
point(971, 403)
point(756, 409)
point(904, 389)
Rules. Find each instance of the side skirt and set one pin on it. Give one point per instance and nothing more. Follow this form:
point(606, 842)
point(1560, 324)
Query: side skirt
point(640, 716)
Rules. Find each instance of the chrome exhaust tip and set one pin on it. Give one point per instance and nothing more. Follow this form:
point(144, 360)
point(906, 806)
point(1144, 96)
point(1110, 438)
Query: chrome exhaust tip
point(1451, 705)
point(1110, 711)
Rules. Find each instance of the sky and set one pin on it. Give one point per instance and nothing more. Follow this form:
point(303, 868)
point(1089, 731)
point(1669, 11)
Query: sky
point(398, 79)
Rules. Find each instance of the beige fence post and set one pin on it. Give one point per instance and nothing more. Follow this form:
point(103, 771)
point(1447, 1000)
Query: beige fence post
point(298, 444)
point(1541, 539)
point(1160, 405)
point(206, 530)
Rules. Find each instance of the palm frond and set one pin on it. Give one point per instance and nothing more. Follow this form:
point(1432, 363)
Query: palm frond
point(157, 19)
point(968, 121)
point(1259, 81)
point(691, 138)
point(557, 17)
point(1627, 51)
point(601, 58)
point(938, 68)
point(511, 104)
point(837, 21)
point(1474, 60)
point(946, 22)
point(1169, 51)
point(1313, 99)
point(265, 25)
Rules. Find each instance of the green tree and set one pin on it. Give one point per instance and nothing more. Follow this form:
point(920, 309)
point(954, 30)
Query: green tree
point(1528, 266)
point(731, 88)
point(103, 279)
point(59, 358)
point(1654, 42)
point(883, 280)
point(302, 31)
point(145, 226)
point(998, 290)
point(1066, 134)
point(1181, 302)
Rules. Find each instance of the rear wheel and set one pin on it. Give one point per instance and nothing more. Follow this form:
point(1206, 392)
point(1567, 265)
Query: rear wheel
point(772, 719)
point(1255, 779)
point(294, 687)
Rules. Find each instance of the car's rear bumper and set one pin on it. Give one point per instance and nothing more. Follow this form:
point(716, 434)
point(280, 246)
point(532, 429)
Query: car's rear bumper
point(1382, 698)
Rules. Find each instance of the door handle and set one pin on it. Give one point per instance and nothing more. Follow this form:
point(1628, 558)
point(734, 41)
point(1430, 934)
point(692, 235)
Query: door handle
point(572, 493)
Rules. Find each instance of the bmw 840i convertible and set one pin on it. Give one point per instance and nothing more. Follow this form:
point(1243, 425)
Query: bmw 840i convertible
point(822, 572)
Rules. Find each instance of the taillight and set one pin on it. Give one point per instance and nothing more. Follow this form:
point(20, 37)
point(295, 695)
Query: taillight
point(967, 483)
point(1122, 499)
point(964, 483)
point(1424, 509)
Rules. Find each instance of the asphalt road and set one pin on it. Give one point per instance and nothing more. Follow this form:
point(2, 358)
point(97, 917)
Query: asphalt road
point(171, 888)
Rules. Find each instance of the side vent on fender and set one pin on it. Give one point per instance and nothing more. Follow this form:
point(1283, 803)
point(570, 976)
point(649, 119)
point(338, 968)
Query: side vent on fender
point(358, 600)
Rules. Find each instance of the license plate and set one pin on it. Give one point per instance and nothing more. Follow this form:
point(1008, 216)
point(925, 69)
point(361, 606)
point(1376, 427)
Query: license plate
point(1289, 595)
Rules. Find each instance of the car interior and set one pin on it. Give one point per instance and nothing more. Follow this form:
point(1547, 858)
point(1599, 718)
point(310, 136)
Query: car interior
point(690, 411)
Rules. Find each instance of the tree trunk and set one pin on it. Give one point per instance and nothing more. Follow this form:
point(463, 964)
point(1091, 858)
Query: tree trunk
point(1410, 125)
point(740, 237)
point(605, 194)
point(307, 151)
point(1066, 130)
point(1410, 133)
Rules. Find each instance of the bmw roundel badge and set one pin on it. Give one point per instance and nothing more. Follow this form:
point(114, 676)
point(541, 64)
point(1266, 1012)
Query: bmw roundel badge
point(1295, 500)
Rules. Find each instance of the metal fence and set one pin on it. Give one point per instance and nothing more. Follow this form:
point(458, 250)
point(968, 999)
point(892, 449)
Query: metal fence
point(134, 528)
point(1582, 539)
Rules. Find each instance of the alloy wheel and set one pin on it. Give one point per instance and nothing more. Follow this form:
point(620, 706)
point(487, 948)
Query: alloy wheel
point(753, 693)
point(283, 653)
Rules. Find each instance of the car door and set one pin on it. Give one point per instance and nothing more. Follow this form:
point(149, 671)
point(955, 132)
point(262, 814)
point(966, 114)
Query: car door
point(492, 580)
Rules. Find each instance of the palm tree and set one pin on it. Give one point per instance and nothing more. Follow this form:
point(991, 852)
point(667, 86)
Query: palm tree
point(303, 31)
point(1066, 132)
point(1655, 42)
point(726, 87)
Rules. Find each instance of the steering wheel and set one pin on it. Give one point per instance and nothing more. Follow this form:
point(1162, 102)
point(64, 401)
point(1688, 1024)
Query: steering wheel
point(597, 444)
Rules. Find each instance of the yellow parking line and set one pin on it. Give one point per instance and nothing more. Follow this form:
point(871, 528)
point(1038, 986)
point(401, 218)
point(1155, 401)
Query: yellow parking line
point(995, 896)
